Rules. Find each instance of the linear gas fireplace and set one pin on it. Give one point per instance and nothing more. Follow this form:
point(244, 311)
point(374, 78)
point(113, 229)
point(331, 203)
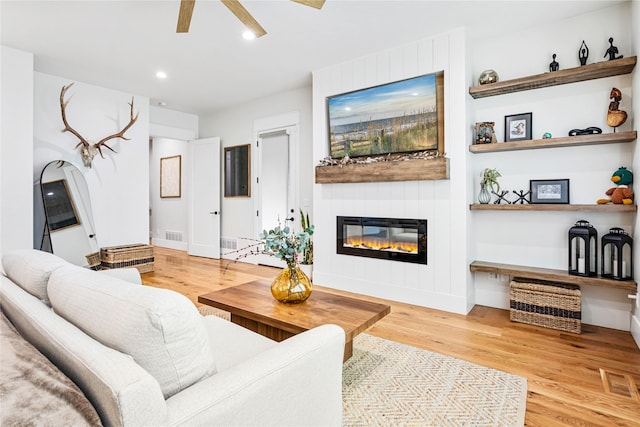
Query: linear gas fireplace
point(385, 238)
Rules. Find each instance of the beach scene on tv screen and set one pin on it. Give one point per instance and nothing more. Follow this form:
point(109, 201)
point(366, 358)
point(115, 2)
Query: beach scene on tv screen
point(392, 118)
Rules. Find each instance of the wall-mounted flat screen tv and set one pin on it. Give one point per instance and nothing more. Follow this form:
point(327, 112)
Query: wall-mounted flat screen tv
point(399, 117)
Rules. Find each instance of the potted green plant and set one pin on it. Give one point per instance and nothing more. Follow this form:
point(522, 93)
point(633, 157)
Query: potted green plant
point(306, 261)
point(488, 181)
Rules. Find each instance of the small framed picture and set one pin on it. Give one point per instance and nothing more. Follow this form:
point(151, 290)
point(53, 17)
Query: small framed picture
point(517, 127)
point(549, 191)
point(485, 133)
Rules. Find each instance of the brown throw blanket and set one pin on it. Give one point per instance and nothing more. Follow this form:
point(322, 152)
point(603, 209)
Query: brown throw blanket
point(33, 391)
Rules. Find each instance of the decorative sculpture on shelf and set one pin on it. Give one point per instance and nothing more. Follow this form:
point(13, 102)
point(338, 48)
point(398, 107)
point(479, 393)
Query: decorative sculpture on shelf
point(612, 51)
point(522, 197)
point(615, 117)
point(588, 131)
point(554, 66)
point(501, 197)
point(487, 77)
point(88, 150)
point(583, 53)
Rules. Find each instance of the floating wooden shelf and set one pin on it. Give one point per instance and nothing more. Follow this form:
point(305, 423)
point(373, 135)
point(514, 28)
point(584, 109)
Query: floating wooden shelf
point(571, 75)
point(609, 208)
point(550, 274)
point(406, 170)
point(566, 141)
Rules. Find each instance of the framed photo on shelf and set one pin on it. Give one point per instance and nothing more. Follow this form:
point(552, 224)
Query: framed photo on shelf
point(517, 127)
point(549, 191)
point(485, 133)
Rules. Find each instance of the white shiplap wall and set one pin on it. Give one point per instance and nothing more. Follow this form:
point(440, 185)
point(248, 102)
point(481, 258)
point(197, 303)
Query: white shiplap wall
point(443, 283)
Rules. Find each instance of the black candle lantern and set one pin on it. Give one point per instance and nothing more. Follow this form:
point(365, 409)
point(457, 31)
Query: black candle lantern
point(583, 249)
point(617, 255)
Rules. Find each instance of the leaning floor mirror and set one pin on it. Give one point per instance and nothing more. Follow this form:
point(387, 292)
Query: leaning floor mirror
point(69, 230)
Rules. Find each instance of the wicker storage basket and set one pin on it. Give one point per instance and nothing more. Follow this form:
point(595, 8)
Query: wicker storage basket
point(137, 255)
point(547, 304)
point(93, 260)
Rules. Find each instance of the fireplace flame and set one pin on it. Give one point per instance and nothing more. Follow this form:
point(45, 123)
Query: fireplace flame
point(381, 244)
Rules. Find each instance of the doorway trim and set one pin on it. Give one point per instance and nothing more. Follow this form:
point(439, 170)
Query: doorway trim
point(290, 123)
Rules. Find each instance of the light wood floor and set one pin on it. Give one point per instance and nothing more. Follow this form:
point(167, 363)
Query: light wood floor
point(564, 370)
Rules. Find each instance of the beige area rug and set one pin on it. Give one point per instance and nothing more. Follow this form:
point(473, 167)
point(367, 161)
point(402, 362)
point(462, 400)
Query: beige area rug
point(386, 383)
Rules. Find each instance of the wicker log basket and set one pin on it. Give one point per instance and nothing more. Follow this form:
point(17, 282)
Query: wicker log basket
point(547, 304)
point(137, 255)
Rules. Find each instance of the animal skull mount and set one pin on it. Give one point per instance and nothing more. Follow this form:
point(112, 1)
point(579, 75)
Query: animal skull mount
point(88, 150)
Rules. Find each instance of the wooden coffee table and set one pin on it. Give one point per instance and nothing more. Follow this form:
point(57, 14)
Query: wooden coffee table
point(252, 306)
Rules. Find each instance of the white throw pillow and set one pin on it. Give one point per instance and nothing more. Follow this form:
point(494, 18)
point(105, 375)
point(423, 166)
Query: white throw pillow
point(161, 329)
point(30, 269)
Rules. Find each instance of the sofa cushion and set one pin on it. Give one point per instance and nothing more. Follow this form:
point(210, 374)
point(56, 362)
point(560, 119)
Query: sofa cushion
point(30, 269)
point(161, 329)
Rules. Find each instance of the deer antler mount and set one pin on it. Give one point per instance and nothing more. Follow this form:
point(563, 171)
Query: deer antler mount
point(87, 149)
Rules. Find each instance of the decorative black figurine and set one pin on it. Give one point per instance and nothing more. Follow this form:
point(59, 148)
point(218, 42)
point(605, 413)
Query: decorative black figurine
point(588, 131)
point(612, 51)
point(554, 66)
point(583, 53)
point(501, 198)
point(522, 197)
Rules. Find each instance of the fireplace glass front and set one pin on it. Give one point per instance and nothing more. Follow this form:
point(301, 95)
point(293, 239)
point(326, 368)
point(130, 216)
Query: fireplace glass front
point(385, 238)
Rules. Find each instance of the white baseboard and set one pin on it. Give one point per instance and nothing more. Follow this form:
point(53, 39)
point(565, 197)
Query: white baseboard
point(171, 244)
point(635, 329)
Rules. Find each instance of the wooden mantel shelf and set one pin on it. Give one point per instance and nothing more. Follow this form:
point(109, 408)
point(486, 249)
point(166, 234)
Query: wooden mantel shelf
point(406, 170)
point(550, 274)
point(598, 70)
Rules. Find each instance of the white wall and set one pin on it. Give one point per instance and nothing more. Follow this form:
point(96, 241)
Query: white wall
point(16, 154)
point(168, 214)
point(235, 126)
point(443, 283)
point(540, 238)
point(119, 183)
point(635, 45)
point(166, 123)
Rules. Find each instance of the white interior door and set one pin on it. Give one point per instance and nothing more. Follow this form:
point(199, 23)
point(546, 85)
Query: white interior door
point(204, 198)
point(277, 183)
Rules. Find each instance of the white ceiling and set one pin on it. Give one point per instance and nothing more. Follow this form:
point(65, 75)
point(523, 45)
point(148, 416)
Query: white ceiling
point(121, 44)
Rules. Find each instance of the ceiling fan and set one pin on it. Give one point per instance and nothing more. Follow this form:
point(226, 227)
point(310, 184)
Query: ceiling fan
point(186, 10)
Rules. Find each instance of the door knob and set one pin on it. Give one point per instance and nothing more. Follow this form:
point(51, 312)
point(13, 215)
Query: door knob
point(214, 213)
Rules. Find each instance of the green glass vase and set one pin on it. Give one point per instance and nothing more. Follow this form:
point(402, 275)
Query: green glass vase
point(291, 286)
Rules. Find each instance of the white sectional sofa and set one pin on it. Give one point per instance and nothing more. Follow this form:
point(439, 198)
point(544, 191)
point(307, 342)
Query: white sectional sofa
point(144, 356)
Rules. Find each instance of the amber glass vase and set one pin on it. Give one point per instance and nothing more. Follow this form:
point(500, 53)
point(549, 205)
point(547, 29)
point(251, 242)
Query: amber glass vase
point(291, 286)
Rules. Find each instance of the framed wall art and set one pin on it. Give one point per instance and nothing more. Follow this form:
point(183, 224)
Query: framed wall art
point(518, 127)
point(398, 117)
point(549, 191)
point(170, 177)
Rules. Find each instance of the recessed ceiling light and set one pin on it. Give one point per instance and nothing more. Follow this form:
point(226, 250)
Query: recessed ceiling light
point(161, 75)
point(248, 35)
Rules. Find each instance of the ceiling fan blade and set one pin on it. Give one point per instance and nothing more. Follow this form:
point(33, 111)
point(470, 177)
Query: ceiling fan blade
point(244, 16)
point(184, 18)
point(313, 3)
